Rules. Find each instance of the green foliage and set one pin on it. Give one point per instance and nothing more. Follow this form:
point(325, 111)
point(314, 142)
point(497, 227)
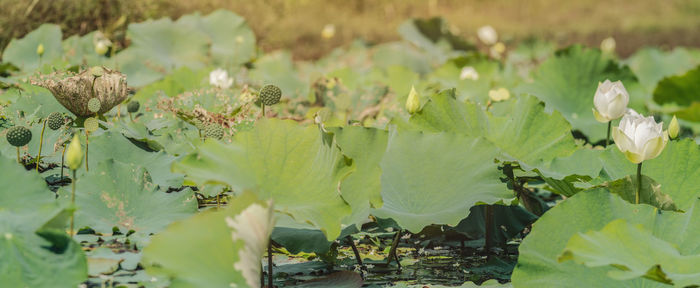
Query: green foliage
point(22, 52)
point(416, 165)
point(593, 210)
point(626, 247)
point(299, 167)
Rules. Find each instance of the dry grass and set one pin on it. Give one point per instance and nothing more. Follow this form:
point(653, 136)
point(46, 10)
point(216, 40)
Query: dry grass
point(296, 24)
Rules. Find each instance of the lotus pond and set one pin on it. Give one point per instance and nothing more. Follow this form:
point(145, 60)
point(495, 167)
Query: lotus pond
point(190, 158)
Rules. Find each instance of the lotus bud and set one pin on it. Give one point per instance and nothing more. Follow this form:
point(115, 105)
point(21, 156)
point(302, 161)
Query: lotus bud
point(219, 78)
point(413, 101)
point(487, 35)
point(673, 128)
point(608, 45)
point(639, 138)
point(610, 101)
point(74, 153)
point(40, 50)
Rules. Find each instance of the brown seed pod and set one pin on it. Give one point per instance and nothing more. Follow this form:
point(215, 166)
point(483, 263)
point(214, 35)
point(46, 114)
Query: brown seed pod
point(74, 91)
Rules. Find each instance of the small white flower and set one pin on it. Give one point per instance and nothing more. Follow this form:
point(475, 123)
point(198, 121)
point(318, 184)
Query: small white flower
point(328, 31)
point(487, 35)
point(219, 78)
point(468, 72)
point(500, 94)
point(639, 138)
point(610, 101)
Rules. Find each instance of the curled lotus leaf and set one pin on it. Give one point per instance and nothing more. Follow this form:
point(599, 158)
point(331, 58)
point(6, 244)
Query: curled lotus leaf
point(74, 91)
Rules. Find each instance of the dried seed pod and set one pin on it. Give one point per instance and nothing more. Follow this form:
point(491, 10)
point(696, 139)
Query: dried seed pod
point(74, 91)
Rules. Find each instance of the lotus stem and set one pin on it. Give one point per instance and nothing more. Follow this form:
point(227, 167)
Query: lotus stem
point(18, 155)
point(218, 201)
point(131, 117)
point(41, 144)
point(72, 201)
point(358, 257)
point(269, 265)
point(63, 157)
point(392, 251)
point(607, 139)
point(639, 183)
point(263, 110)
point(87, 142)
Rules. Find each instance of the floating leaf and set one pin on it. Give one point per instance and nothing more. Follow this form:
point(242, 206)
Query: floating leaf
point(299, 167)
point(210, 249)
point(121, 195)
point(592, 210)
point(626, 247)
point(435, 178)
point(22, 52)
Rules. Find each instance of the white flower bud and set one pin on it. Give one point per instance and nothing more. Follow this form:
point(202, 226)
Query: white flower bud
point(610, 101)
point(487, 35)
point(468, 72)
point(219, 78)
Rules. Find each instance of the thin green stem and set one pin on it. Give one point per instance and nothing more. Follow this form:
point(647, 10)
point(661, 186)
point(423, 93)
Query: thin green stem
point(63, 157)
point(263, 109)
point(87, 142)
point(18, 155)
point(41, 144)
point(607, 139)
point(72, 201)
point(131, 117)
point(270, 279)
point(639, 183)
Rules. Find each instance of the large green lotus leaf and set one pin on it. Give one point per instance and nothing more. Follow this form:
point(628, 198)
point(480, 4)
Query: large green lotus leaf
point(36, 102)
point(22, 52)
point(303, 237)
point(23, 191)
point(448, 76)
point(80, 50)
point(626, 247)
point(300, 168)
point(691, 113)
point(650, 193)
point(583, 162)
point(179, 81)
point(201, 251)
point(138, 72)
point(592, 210)
point(529, 134)
point(400, 54)
point(27, 206)
point(677, 169)
point(278, 68)
point(162, 46)
point(363, 187)
point(568, 82)
point(683, 90)
point(508, 221)
point(232, 41)
point(444, 113)
point(112, 145)
point(651, 64)
point(523, 131)
point(435, 178)
point(115, 194)
point(31, 250)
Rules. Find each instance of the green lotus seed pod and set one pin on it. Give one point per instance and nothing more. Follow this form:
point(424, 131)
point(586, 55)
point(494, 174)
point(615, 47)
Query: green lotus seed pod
point(97, 71)
point(133, 106)
point(198, 123)
point(91, 124)
point(94, 105)
point(214, 131)
point(55, 120)
point(19, 136)
point(270, 95)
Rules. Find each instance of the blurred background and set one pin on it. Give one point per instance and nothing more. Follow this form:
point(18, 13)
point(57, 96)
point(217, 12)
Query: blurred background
point(298, 25)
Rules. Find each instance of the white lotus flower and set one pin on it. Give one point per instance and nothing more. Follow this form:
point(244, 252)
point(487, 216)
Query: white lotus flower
point(487, 35)
point(468, 72)
point(610, 101)
point(500, 94)
point(639, 138)
point(219, 78)
point(608, 45)
point(253, 226)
